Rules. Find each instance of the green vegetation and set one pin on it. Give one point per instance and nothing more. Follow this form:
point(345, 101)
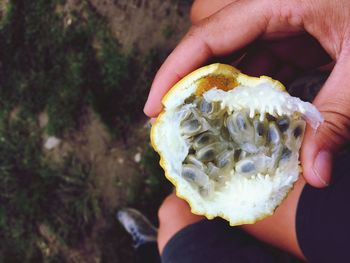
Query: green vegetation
point(168, 31)
point(32, 192)
point(47, 64)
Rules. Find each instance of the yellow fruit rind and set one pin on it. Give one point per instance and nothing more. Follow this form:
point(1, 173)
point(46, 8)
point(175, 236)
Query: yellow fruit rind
point(230, 72)
point(235, 78)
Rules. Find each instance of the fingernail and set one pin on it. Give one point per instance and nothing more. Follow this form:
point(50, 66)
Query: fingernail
point(322, 167)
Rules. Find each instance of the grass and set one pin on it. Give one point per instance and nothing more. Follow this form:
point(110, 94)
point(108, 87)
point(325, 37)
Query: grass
point(58, 68)
point(34, 192)
point(168, 31)
point(47, 65)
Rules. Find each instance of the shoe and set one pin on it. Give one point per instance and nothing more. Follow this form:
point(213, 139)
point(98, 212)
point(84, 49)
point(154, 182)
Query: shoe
point(138, 226)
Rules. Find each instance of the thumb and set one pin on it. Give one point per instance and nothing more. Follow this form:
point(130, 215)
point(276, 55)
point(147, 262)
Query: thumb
point(319, 147)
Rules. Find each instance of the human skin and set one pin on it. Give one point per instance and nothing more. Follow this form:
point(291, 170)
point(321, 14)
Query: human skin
point(277, 31)
point(242, 22)
point(277, 230)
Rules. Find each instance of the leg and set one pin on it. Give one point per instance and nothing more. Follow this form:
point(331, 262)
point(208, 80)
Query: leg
point(205, 241)
point(175, 214)
point(311, 223)
point(281, 227)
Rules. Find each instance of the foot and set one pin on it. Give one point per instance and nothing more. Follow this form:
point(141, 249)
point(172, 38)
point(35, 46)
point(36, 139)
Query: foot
point(137, 225)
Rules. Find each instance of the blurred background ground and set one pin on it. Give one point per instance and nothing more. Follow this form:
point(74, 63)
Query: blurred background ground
point(74, 75)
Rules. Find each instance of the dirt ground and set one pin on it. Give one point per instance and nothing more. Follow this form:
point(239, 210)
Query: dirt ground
point(118, 166)
point(137, 23)
point(146, 23)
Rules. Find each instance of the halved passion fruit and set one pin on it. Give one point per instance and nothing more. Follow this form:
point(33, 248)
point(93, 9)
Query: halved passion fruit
point(230, 143)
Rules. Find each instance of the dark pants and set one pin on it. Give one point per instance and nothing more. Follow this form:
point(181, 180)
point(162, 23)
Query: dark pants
point(322, 225)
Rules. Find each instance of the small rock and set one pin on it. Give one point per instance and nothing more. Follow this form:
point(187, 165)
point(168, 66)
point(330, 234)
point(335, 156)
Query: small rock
point(137, 157)
point(120, 160)
point(69, 21)
point(51, 143)
point(43, 119)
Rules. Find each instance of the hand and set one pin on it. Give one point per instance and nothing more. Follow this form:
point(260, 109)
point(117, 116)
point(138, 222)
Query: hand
point(242, 22)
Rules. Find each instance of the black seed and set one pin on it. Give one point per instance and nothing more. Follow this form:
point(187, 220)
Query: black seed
point(232, 129)
point(208, 155)
point(286, 153)
point(223, 159)
point(283, 124)
point(272, 135)
point(241, 124)
point(204, 139)
point(188, 174)
point(248, 167)
point(222, 163)
point(206, 107)
point(203, 191)
point(298, 131)
point(191, 125)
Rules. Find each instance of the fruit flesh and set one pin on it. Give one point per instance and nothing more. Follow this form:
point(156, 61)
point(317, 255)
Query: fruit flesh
point(223, 144)
point(238, 198)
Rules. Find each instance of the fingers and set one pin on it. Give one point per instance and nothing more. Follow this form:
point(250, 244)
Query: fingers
point(334, 103)
point(226, 31)
point(204, 8)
